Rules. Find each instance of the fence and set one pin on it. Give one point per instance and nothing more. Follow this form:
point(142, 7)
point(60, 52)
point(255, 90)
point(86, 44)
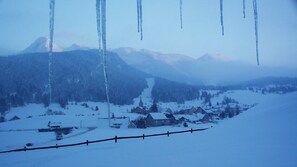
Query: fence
point(115, 139)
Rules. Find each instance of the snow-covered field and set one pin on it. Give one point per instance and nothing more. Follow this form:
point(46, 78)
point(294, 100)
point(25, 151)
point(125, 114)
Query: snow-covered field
point(264, 135)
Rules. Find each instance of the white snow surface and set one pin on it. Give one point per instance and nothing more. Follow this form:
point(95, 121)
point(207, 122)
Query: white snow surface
point(264, 135)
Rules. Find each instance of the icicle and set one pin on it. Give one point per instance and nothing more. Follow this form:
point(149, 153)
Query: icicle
point(140, 14)
point(98, 17)
point(101, 30)
point(222, 17)
point(51, 34)
point(181, 13)
point(243, 8)
point(139, 18)
point(256, 27)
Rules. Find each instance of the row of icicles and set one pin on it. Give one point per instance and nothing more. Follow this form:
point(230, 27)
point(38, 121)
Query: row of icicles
point(139, 19)
point(101, 31)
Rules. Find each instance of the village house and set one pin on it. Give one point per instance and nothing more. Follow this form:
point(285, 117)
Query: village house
point(139, 110)
point(191, 111)
point(14, 118)
point(157, 119)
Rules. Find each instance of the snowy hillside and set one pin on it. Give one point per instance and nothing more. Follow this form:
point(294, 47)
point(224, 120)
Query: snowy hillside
point(261, 136)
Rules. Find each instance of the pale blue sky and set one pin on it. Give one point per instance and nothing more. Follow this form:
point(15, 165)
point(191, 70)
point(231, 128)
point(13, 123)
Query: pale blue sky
point(22, 21)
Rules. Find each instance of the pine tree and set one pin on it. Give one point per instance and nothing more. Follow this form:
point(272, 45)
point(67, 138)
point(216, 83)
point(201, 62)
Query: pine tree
point(154, 107)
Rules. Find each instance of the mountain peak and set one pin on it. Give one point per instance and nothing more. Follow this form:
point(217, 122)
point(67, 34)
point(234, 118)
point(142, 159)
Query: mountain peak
point(214, 57)
point(76, 47)
point(41, 44)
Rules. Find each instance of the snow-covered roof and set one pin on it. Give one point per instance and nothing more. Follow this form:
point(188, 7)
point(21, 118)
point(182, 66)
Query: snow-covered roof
point(199, 116)
point(188, 117)
point(157, 116)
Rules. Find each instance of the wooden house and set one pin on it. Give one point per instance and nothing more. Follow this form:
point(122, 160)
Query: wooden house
point(14, 118)
point(157, 119)
point(139, 110)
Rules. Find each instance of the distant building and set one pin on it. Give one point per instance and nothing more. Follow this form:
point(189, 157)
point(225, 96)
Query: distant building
point(157, 119)
point(139, 110)
point(132, 125)
point(208, 117)
point(14, 118)
point(192, 111)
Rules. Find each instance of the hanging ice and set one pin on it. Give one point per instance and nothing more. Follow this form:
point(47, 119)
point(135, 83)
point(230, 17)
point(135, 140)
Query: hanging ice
point(243, 8)
point(101, 31)
point(138, 24)
point(51, 34)
point(181, 13)
point(98, 17)
point(256, 27)
point(139, 18)
point(222, 17)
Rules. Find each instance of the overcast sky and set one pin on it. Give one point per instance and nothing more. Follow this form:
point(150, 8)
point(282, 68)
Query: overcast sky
point(23, 21)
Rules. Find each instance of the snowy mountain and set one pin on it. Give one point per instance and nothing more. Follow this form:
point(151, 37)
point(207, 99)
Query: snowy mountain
point(78, 76)
point(75, 47)
point(158, 64)
point(41, 45)
point(262, 135)
point(214, 57)
point(211, 69)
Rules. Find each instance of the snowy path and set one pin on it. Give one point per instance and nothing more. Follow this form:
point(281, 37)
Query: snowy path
point(146, 94)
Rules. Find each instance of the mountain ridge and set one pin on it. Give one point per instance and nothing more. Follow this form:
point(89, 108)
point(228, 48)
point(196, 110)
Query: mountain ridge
point(78, 76)
point(209, 69)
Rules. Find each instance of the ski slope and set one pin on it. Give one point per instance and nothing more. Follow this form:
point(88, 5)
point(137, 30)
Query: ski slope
point(264, 135)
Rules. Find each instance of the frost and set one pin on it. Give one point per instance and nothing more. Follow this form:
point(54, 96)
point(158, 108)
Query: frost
point(101, 31)
point(51, 34)
point(256, 28)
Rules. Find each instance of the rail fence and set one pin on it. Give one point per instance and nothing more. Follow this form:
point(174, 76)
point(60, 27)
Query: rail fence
point(115, 139)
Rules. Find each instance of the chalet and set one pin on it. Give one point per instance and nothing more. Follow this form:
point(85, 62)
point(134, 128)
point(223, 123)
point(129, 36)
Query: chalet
point(169, 111)
point(14, 118)
point(132, 125)
point(157, 119)
point(139, 110)
point(200, 110)
point(171, 117)
point(192, 111)
point(208, 117)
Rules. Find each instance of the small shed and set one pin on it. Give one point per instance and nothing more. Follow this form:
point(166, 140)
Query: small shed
point(157, 119)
